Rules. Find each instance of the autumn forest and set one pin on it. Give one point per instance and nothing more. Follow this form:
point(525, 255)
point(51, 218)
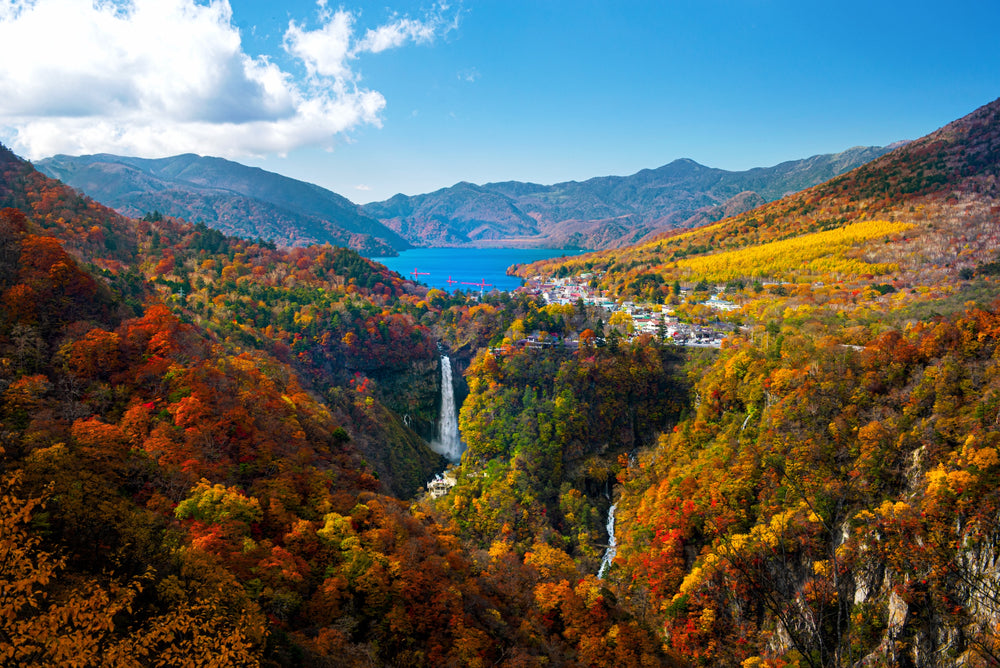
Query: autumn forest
point(214, 450)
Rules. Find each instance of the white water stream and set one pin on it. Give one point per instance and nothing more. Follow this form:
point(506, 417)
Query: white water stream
point(449, 441)
point(609, 554)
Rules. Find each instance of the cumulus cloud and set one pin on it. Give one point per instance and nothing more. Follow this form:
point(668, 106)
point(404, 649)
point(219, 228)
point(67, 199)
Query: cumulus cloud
point(159, 77)
point(326, 51)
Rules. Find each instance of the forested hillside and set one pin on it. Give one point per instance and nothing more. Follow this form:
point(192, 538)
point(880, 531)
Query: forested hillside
point(830, 500)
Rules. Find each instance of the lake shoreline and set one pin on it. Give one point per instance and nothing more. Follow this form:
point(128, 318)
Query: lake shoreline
point(470, 269)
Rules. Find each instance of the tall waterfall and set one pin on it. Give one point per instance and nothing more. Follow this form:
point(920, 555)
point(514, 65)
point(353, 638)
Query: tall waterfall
point(609, 554)
point(449, 442)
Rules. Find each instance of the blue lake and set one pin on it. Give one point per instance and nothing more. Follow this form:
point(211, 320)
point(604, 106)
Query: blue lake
point(467, 265)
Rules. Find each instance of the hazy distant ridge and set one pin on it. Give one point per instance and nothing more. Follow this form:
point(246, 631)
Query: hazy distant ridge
point(602, 212)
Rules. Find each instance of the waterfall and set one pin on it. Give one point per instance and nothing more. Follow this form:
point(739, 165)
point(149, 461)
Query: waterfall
point(449, 442)
point(609, 554)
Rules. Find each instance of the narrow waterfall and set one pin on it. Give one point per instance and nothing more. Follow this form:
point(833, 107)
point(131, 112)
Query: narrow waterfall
point(609, 554)
point(449, 442)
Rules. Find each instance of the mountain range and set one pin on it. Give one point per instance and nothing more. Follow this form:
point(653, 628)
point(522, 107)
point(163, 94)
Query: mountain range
point(602, 212)
point(230, 197)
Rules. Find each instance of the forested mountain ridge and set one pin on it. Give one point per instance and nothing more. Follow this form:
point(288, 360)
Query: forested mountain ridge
point(602, 212)
point(943, 185)
point(289, 302)
point(230, 197)
point(198, 435)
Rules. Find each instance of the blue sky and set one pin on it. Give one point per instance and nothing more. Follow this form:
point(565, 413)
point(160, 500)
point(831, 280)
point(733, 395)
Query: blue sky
point(371, 99)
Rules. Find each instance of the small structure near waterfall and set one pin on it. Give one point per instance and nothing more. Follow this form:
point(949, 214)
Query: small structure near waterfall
point(441, 485)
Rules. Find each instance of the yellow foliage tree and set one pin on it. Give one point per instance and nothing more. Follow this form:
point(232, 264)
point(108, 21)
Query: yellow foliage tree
point(49, 617)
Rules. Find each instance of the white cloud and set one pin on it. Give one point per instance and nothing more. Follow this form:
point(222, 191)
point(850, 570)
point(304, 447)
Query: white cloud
point(326, 51)
point(160, 77)
point(396, 34)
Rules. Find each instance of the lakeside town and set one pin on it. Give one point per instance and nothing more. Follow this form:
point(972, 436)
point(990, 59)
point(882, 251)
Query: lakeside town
point(653, 319)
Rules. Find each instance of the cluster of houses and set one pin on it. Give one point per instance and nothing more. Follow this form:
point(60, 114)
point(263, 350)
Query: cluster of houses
point(645, 318)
